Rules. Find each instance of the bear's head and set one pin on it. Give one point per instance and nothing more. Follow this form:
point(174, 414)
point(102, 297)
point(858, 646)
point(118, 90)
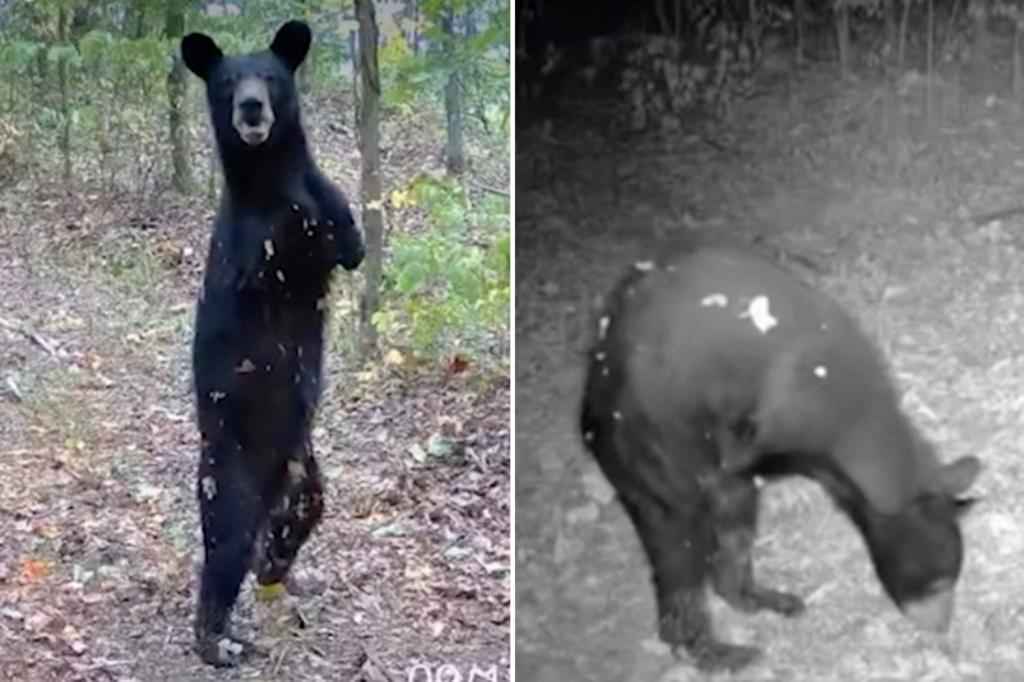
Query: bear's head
point(252, 96)
point(918, 551)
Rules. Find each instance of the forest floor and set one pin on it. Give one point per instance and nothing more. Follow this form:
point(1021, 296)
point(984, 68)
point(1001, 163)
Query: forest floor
point(100, 538)
point(804, 175)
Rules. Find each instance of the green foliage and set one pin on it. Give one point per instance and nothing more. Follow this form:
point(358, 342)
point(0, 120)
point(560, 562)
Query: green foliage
point(448, 287)
point(17, 56)
point(465, 40)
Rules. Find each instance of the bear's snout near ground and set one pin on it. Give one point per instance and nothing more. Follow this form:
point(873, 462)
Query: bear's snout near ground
point(281, 229)
point(716, 367)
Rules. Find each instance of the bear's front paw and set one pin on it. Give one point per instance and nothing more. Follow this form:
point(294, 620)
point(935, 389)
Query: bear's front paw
point(710, 655)
point(226, 651)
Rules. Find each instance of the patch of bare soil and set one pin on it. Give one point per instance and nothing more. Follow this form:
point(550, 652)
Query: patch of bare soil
point(98, 446)
point(888, 237)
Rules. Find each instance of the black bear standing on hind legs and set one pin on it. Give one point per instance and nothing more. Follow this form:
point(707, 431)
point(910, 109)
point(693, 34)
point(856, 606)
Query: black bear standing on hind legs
point(280, 230)
point(715, 367)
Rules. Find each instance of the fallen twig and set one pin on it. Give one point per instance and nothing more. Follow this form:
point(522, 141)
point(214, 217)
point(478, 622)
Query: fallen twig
point(371, 670)
point(14, 389)
point(992, 216)
point(487, 188)
point(32, 336)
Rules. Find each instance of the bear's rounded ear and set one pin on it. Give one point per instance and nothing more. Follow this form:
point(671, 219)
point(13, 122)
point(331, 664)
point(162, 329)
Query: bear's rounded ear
point(292, 43)
point(958, 476)
point(200, 53)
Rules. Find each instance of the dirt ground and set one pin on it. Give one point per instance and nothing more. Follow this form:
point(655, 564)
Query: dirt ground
point(98, 446)
point(883, 227)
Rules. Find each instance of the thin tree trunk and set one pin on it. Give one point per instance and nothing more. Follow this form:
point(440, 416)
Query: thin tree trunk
point(930, 116)
point(1017, 77)
point(39, 98)
point(889, 14)
point(174, 28)
point(666, 27)
point(353, 44)
point(416, 27)
point(455, 159)
point(799, 12)
point(903, 33)
point(843, 38)
point(369, 142)
point(980, 55)
point(65, 103)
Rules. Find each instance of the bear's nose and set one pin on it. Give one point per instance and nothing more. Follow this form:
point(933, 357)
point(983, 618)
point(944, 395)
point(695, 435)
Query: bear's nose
point(252, 111)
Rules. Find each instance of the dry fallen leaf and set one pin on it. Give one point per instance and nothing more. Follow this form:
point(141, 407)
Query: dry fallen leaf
point(33, 569)
point(458, 365)
point(418, 453)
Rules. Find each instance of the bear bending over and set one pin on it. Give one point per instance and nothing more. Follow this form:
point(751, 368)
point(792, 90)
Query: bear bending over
point(280, 230)
point(716, 367)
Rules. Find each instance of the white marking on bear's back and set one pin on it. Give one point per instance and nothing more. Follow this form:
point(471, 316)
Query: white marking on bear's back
point(759, 314)
point(715, 301)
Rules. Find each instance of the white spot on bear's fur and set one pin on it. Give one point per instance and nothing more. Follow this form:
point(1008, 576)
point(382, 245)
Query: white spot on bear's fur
point(296, 469)
point(602, 326)
point(268, 247)
point(759, 313)
point(821, 371)
point(209, 486)
point(715, 301)
point(644, 265)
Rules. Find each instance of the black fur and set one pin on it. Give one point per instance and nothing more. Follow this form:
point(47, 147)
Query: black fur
point(717, 367)
point(281, 229)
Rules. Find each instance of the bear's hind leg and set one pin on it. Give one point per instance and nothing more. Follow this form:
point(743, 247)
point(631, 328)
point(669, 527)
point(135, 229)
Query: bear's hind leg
point(668, 511)
point(734, 506)
point(677, 543)
point(231, 510)
point(292, 520)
